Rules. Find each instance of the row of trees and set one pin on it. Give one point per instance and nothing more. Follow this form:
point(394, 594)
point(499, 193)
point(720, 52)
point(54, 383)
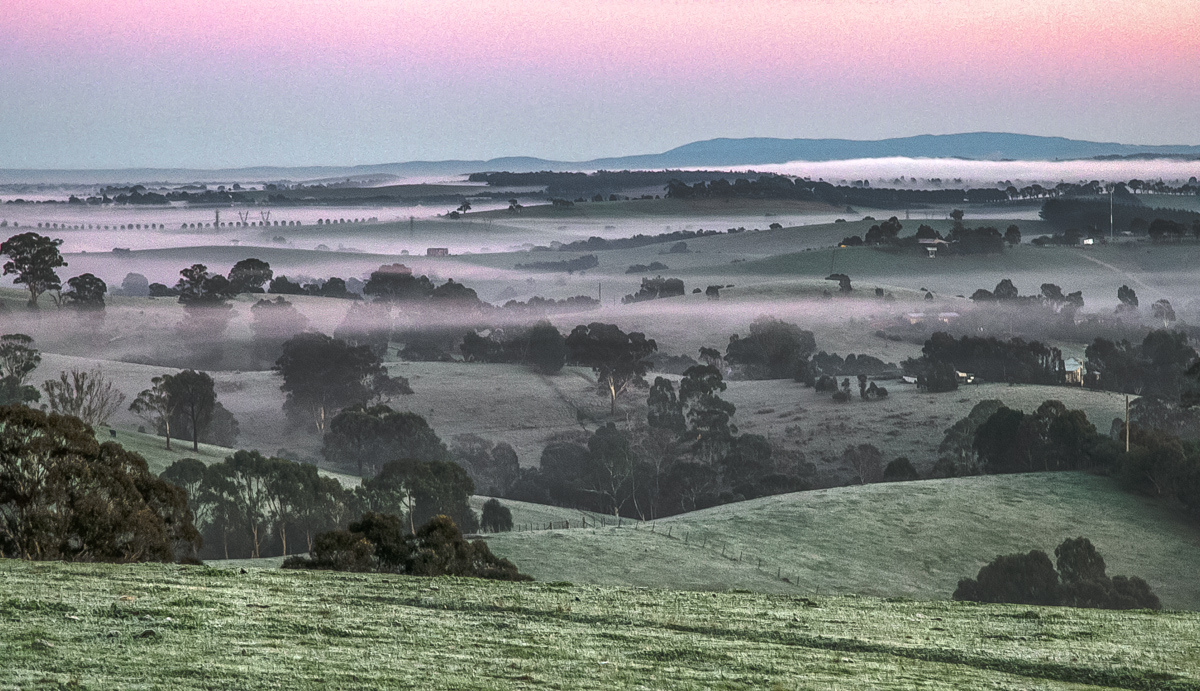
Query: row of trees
point(988, 358)
point(250, 505)
point(1080, 581)
point(1147, 456)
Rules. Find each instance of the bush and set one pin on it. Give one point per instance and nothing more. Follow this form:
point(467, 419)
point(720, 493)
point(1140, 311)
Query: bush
point(496, 517)
point(900, 470)
point(377, 543)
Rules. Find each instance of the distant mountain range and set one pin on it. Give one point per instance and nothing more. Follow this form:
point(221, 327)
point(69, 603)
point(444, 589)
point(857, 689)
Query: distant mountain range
point(712, 153)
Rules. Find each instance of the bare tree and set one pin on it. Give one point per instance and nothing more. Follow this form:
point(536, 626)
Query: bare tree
point(85, 395)
point(866, 461)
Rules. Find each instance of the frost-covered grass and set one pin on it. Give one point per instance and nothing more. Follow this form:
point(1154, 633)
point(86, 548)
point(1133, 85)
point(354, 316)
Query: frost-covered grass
point(153, 626)
point(911, 539)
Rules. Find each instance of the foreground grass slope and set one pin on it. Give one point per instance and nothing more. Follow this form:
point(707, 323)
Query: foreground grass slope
point(913, 539)
point(153, 626)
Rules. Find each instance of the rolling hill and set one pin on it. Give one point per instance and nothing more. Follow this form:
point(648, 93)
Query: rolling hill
point(913, 539)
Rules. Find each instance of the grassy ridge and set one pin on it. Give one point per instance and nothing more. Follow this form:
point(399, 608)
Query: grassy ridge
point(911, 539)
point(149, 626)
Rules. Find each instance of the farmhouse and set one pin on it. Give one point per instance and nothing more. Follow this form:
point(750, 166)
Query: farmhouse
point(1075, 371)
point(437, 252)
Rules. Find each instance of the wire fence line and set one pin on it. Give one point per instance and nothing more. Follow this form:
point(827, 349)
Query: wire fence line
point(715, 545)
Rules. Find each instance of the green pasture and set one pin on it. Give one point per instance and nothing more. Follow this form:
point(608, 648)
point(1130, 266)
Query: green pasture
point(151, 626)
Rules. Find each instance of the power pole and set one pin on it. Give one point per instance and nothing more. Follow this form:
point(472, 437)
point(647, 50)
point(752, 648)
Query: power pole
point(1126, 423)
point(600, 293)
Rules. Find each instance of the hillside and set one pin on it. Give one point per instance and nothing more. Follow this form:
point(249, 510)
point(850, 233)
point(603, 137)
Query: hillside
point(913, 539)
point(154, 626)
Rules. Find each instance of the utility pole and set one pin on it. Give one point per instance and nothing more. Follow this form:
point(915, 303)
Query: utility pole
point(600, 293)
point(1112, 234)
point(1126, 423)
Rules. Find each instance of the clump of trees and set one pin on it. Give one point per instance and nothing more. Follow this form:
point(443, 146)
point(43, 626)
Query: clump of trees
point(496, 517)
point(655, 288)
point(988, 358)
point(646, 268)
point(1080, 581)
point(250, 505)
point(774, 350)
point(368, 437)
point(64, 496)
point(587, 261)
point(185, 406)
point(493, 467)
point(688, 455)
point(1157, 366)
point(539, 346)
point(1050, 296)
point(1146, 456)
point(1052, 438)
point(379, 543)
point(618, 359)
point(322, 375)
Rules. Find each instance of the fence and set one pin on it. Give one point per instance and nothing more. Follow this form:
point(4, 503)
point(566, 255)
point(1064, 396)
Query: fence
point(728, 550)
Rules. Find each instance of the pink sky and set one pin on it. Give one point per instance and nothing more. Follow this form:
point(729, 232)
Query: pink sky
point(576, 79)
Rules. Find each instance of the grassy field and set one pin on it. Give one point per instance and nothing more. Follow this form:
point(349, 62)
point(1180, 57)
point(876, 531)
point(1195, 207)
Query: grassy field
point(150, 626)
point(913, 539)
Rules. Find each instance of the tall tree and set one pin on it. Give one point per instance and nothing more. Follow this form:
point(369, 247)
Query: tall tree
point(617, 358)
point(664, 412)
point(86, 293)
point(249, 276)
point(155, 406)
point(709, 416)
point(33, 258)
point(193, 395)
point(18, 359)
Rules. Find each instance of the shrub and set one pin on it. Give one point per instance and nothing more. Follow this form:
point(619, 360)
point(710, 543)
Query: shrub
point(496, 517)
point(900, 470)
point(377, 543)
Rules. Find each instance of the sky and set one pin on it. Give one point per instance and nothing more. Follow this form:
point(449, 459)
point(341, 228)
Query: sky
point(226, 83)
